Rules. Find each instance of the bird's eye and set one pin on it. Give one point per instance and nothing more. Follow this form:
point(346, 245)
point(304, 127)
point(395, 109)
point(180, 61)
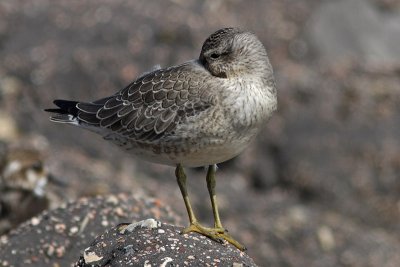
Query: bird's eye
point(214, 55)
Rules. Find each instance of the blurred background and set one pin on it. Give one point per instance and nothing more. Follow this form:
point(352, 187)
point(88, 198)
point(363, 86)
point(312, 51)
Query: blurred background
point(319, 187)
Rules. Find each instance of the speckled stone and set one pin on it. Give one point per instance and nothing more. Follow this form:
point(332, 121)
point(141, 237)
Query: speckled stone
point(57, 237)
point(152, 243)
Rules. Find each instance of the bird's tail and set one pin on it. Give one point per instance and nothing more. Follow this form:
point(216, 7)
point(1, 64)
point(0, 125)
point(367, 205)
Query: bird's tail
point(77, 113)
point(67, 112)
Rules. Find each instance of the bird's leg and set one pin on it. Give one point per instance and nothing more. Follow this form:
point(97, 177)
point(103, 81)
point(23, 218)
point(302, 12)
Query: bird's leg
point(217, 233)
point(211, 190)
point(181, 179)
point(218, 228)
point(194, 225)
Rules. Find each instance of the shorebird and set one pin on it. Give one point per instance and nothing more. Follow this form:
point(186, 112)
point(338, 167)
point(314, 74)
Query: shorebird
point(200, 113)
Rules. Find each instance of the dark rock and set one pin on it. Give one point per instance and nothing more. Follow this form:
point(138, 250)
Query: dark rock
point(57, 237)
point(152, 243)
point(24, 180)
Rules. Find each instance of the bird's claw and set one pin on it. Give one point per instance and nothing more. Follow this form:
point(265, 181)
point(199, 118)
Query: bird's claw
point(217, 234)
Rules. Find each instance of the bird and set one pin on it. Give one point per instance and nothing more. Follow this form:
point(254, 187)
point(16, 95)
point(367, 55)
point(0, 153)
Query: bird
point(200, 113)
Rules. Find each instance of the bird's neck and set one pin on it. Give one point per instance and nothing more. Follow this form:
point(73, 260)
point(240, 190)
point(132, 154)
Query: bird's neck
point(251, 101)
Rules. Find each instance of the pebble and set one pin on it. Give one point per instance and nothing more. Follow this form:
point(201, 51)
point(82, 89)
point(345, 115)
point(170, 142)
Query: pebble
point(73, 230)
point(35, 221)
point(326, 238)
point(60, 227)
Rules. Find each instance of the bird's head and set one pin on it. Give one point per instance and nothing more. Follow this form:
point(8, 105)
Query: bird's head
point(233, 52)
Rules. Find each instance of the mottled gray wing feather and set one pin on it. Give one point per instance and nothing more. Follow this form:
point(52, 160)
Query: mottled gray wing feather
point(151, 106)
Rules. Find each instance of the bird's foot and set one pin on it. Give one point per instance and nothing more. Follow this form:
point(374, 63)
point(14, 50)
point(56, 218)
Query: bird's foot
point(217, 234)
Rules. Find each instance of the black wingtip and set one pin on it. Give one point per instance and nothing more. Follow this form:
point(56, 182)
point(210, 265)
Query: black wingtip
point(65, 107)
point(55, 110)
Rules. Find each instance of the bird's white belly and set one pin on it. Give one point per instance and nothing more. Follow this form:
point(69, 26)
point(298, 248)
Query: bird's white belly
point(213, 152)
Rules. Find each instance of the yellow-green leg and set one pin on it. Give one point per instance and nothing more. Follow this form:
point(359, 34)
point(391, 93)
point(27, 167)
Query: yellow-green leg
point(221, 232)
point(211, 190)
point(218, 233)
point(181, 179)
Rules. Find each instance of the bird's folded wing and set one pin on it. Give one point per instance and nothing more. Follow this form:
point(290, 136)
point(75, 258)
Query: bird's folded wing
point(152, 105)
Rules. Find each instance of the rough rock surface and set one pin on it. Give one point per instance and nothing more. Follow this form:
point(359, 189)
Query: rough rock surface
point(152, 243)
point(57, 237)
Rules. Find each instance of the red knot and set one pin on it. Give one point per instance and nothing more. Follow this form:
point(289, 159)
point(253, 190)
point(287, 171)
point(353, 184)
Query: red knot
point(199, 113)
